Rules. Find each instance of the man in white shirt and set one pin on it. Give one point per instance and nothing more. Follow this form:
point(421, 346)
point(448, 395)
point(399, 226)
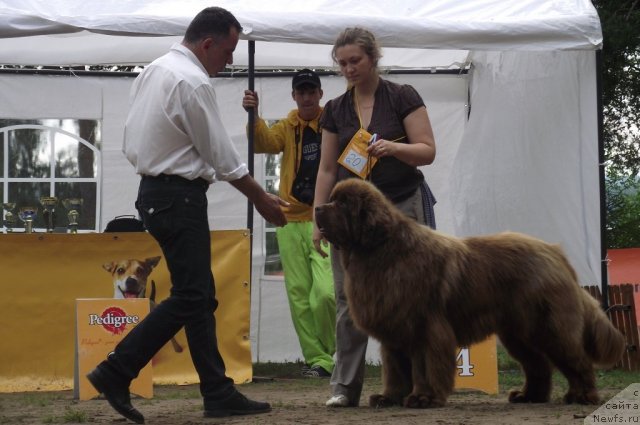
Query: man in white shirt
point(175, 139)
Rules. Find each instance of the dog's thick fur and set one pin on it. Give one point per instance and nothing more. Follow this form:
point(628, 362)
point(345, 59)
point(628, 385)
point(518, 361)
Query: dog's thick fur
point(422, 293)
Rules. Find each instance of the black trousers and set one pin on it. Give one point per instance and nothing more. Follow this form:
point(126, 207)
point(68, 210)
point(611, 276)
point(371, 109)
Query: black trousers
point(174, 211)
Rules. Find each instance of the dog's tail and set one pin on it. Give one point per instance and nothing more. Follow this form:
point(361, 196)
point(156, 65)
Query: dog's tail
point(604, 343)
point(152, 294)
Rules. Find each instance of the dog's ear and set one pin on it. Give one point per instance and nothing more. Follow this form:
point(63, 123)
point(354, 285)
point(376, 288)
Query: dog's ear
point(151, 262)
point(374, 216)
point(110, 267)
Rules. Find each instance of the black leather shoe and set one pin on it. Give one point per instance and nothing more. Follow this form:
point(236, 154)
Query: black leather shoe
point(237, 404)
point(116, 394)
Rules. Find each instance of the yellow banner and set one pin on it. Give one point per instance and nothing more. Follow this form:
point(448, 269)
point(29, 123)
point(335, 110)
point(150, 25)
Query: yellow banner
point(43, 274)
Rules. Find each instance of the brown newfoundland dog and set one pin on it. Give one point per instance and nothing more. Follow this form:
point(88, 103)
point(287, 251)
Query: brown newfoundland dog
point(422, 293)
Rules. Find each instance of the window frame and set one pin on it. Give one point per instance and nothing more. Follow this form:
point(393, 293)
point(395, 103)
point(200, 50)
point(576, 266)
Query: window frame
point(52, 179)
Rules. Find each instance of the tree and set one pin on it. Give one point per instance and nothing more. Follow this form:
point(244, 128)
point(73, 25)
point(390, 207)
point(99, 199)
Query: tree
point(623, 211)
point(620, 21)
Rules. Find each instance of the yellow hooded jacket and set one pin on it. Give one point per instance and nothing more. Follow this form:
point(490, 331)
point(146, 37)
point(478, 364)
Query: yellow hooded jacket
point(281, 138)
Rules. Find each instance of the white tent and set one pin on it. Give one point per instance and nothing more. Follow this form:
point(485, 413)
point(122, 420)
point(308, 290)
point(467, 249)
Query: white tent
point(517, 134)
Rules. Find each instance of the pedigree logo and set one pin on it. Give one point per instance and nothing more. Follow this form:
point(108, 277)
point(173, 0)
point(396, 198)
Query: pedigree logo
point(114, 320)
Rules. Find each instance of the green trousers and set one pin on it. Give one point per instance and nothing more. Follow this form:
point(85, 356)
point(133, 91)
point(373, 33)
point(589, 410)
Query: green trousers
point(309, 282)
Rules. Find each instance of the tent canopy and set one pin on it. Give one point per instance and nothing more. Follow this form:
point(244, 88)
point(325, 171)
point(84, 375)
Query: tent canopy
point(517, 136)
point(525, 159)
point(71, 32)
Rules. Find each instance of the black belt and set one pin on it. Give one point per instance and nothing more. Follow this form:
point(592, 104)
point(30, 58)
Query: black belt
point(172, 178)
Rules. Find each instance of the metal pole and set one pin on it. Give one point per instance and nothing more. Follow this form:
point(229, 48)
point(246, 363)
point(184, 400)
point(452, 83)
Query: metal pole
point(250, 138)
point(251, 119)
point(603, 191)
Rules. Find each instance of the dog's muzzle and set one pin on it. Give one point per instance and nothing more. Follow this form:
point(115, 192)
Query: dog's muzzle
point(132, 289)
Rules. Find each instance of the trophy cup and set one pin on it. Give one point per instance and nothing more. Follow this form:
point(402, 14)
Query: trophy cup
point(73, 206)
point(9, 216)
point(48, 206)
point(27, 215)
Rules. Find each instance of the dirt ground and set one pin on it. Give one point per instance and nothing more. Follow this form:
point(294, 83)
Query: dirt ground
point(294, 401)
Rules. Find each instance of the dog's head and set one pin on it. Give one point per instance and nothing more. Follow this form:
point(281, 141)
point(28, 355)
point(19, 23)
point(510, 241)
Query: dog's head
point(357, 216)
point(130, 276)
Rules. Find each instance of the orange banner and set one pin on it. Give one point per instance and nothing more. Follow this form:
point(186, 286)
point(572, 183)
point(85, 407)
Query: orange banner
point(43, 275)
point(477, 367)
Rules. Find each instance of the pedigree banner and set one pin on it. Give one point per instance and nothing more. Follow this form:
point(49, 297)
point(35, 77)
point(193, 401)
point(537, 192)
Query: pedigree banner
point(100, 324)
point(43, 274)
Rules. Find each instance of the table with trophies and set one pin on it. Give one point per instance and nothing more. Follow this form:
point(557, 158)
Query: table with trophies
point(49, 264)
point(51, 240)
point(27, 215)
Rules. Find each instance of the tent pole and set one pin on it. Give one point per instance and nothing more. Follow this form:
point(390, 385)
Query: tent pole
point(250, 137)
point(603, 191)
point(250, 133)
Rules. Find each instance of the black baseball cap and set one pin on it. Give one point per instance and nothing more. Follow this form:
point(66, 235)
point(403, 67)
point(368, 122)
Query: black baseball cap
point(305, 76)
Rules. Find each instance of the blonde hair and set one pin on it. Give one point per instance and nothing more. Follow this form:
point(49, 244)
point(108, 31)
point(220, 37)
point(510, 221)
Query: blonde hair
point(360, 37)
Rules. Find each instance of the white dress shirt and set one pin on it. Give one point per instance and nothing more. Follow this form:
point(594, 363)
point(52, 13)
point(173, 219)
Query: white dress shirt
point(174, 124)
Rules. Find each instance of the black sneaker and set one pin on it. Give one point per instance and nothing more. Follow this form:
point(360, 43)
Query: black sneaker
point(305, 369)
point(317, 372)
point(116, 393)
point(237, 404)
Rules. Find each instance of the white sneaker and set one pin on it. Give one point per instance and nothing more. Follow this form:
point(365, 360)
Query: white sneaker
point(338, 401)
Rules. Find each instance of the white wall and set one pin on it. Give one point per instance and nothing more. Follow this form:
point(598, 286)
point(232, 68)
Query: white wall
point(526, 160)
point(529, 159)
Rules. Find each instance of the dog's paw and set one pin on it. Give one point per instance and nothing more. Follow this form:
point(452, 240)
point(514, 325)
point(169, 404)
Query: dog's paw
point(381, 401)
point(423, 401)
point(517, 396)
point(582, 397)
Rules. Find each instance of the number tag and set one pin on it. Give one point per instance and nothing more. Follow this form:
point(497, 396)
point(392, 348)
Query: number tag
point(355, 157)
point(463, 361)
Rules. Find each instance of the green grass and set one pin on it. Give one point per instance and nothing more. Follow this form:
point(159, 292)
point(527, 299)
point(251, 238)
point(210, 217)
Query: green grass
point(291, 370)
point(509, 374)
point(39, 399)
point(267, 370)
point(70, 416)
point(505, 361)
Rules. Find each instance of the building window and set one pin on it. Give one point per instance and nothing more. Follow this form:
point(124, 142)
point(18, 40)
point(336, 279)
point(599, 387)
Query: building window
point(51, 158)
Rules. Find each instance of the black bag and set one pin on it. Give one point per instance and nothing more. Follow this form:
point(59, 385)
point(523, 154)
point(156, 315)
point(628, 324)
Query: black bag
point(125, 223)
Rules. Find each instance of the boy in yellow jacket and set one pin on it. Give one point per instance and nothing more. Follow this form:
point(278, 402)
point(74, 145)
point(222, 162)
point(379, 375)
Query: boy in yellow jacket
point(307, 275)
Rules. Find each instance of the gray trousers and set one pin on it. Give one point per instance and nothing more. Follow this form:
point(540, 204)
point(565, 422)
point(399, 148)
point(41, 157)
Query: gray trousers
point(351, 344)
